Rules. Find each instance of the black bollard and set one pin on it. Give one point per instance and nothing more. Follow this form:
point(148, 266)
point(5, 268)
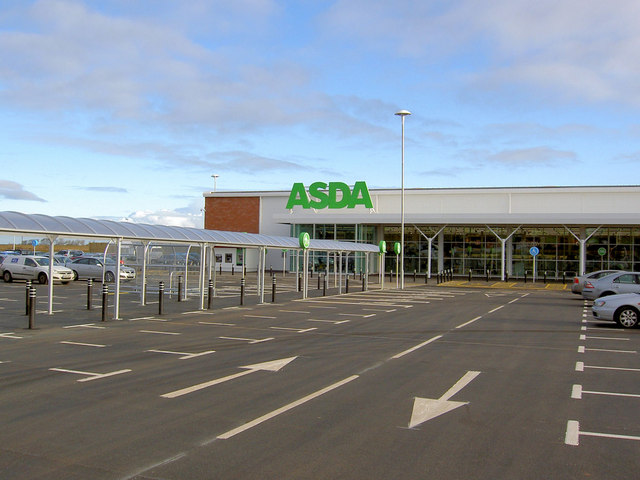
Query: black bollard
point(89, 292)
point(347, 285)
point(525, 276)
point(506, 276)
point(179, 288)
point(487, 274)
point(105, 301)
point(324, 286)
point(544, 277)
point(233, 270)
point(318, 281)
point(32, 307)
point(160, 298)
point(364, 281)
point(271, 270)
point(242, 284)
point(299, 282)
point(26, 298)
point(426, 278)
point(470, 274)
point(414, 276)
point(564, 277)
point(273, 289)
point(220, 269)
point(210, 295)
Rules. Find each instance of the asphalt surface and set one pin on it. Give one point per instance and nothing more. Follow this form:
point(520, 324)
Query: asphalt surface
point(435, 381)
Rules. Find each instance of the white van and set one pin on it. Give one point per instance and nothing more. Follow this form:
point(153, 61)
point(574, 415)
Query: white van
point(33, 267)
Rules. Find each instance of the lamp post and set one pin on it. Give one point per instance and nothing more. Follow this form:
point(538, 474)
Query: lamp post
point(215, 178)
point(402, 114)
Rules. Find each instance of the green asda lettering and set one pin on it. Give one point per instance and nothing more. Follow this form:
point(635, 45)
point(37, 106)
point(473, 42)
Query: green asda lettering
point(333, 195)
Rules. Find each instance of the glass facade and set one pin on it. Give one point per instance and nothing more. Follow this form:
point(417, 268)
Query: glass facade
point(479, 250)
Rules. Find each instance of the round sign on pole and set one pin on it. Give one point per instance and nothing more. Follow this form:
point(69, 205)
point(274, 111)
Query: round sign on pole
point(534, 251)
point(34, 242)
point(305, 240)
point(383, 246)
point(397, 248)
point(602, 251)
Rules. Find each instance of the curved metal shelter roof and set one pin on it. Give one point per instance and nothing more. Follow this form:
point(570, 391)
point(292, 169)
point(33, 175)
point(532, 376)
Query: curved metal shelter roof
point(37, 224)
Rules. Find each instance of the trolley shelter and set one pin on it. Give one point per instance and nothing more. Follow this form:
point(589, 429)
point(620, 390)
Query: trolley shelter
point(53, 228)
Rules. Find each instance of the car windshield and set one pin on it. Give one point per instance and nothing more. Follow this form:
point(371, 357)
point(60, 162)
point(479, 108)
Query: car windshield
point(42, 261)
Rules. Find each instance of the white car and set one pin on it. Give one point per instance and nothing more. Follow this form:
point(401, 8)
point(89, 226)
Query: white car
point(92, 267)
point(33, 267)
point(612, 284)
point(622, 309)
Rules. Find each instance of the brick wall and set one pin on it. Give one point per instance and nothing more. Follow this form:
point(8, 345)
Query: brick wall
point(233, 214)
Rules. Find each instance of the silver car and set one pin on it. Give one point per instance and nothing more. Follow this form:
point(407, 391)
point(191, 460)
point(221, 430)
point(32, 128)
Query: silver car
point(92, 267)
point(622, 309)
point(579, 281)
point(613, 284)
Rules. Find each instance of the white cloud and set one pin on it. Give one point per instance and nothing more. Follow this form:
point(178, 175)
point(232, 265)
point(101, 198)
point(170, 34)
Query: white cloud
point(531, 156)
point(14, 191)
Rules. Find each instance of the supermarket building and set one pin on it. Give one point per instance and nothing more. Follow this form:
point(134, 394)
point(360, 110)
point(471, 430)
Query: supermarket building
point(482, 230)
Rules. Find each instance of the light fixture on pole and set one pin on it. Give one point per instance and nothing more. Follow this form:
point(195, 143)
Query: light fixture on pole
point(402, 114)
point(215, 177)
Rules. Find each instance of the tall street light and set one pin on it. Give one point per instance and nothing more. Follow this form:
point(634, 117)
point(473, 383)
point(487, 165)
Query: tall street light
point(402, 114)
point(215, 177)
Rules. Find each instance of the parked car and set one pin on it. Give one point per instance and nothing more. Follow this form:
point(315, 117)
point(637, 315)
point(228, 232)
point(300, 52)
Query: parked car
point(92, 267)
point(612, 284)
point(33, 267)
point(623, 309)
point(70, 253)
point(579, 281)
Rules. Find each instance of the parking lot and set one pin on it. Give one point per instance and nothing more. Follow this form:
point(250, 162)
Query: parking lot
point(434, 382)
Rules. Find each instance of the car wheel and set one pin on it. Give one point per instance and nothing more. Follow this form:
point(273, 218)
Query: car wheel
point(605, 294)
point(64, 283)
point(75, 275)
point(109, 277)
point(6, 276)
point(627, 317)
point(42, 278)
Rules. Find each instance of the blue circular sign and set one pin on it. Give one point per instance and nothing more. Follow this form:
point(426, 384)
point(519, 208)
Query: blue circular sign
point(534, 251)
point(34, 243)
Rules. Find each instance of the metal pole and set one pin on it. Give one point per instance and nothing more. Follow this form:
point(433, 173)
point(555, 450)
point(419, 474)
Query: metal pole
point(179, 288)
point(105, 301)
point(89, 292)
point(160, 298)
point(27, 298)
point(273, 289)
point(242, 284)
point(32, 306)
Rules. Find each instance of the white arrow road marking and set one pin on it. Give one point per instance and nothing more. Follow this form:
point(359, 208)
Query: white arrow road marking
point(250, 340)
point(90, 375)
point(185, 355)
point(272, 366)
point(572, 436)
point(427, 408)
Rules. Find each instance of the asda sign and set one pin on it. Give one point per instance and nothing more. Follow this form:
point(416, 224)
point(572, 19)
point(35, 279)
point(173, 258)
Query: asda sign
point(331, 195)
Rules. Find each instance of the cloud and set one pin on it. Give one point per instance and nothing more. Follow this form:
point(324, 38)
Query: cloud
point(531, 156)
point(104, 189)
point(574, 50)
point(14, 191)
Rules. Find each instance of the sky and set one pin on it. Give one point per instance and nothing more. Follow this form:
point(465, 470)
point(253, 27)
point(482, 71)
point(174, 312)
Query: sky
point(124, 109)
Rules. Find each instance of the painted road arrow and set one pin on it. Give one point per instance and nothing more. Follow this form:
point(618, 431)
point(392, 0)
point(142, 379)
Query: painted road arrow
point(272, 366)
point(427, 408)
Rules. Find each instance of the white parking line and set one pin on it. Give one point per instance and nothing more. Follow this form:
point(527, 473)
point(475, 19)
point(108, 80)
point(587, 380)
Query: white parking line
point(84, 344)
point(580, 366)
point(299, 330)
point(420, 345)
point(260, 316)
point(159, 333)
point(85, 325)
point(335, 322)
point(585, 337)
point(469, 322)
point(185, 355)
point(91, 376)
point(572, 436)
point(218, 323)
point(9, 335)
point(250, 340)
point(577, 392)
point(583, 349)
point(284, 409)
